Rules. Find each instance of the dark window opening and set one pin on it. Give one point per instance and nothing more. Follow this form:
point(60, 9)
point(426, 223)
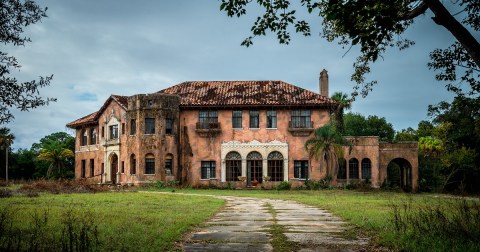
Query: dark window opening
point(123, 128)
point(149, 125)
point(366, 169)
point(84, 138)
point(254, 167)
point(82, 172)
point(300, 169)
point(237, 119)
point(93, 136)
point(102, 168)
point(123, 167)
point(103, 132)
point(169, 165)
point(133, 127)
point(342, 168)
point(254, 119)
point(208, 169)
point(149, 164)
point(92, 167)
point(353, 168)
point(168, 125)
point(271, 119)
point(133, 165)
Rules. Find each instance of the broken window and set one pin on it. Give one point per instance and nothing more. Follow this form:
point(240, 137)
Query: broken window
point(237, 119)
point(83, 142)
point(271, 119)
point(82, 172)
point(208, 170)
point(254, 119)
point(149, 125)
point(300, 169)
point(168, 125)
point(93, 136)
point(169, 164)
point(133, 164)
point(133, 127)
point(113, 131)
point(366, 169)
point(92, 167)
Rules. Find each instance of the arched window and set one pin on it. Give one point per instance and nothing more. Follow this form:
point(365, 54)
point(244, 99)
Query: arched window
point(353, 168)
point(275, 166)
point(133, 164)
point(169, 164)
point(233, 163)
point(342, 168)
point(149, 164)
point(83, 142)
point(93, 136)
point(366, 169)
point(254, 167)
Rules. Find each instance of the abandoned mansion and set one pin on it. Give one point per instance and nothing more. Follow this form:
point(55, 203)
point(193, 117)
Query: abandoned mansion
point(246, 133)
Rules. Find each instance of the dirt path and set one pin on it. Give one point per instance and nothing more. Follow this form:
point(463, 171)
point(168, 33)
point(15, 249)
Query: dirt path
point(253, 224)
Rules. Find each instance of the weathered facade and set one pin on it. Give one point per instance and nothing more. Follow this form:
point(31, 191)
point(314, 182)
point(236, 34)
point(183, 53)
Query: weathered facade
point(246, 133)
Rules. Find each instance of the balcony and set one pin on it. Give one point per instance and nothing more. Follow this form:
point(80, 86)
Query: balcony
point(300, 128)
point(110, 142)
point(208, 129)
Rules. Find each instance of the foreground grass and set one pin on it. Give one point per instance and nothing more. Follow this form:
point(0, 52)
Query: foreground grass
point(370, 212)
point(126, 221)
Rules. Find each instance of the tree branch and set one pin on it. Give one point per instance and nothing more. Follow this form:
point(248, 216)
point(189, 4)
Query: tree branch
point(417, 11)
point(465, 38)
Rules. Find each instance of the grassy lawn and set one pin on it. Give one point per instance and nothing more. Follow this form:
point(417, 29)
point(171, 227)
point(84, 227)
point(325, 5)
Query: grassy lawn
point(127, 221)
point(372, 212)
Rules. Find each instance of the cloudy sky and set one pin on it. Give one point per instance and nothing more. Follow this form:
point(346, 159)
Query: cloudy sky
point(98, 48)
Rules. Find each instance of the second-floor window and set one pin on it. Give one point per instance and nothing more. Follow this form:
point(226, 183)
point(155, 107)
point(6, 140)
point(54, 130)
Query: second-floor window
point(93, 136)
point(254, 119)
point(208, 119)
point(84, 137)
point(149, 125)
point(113, 131)
point(271, 119)
point(168, 125)
point(301, 119)
point(133, 127)
point(237, 119)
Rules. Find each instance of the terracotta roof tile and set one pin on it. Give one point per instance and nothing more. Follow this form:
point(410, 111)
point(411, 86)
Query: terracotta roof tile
point(84, 120)
point(245, 93)
point(93, 117)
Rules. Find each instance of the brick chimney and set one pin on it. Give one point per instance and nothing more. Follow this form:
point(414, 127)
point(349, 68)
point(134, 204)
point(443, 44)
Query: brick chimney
point(324, 83)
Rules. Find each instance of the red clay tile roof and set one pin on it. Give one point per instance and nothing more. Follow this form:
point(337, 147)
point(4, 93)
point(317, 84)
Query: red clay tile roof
point(245, 93)
point(93, 117)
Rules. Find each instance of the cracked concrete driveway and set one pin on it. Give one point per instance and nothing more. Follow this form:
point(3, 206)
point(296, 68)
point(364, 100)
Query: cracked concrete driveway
point(253, 224)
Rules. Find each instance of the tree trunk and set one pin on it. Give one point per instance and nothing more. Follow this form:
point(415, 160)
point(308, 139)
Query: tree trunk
point(445, 19)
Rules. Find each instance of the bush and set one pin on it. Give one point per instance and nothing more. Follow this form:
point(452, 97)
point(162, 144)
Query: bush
point(62, 186)
point(452, 226)
point(284, 185)
point(317, 185)
point(5, 193)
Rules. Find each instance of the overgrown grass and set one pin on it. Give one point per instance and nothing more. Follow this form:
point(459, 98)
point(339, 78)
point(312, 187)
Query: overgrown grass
point(372, 212)
point(121, 221)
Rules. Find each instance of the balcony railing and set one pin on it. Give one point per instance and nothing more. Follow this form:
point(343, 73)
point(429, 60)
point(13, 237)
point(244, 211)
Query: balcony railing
point(300, 128)
point(208, 125)
point(300, 125)
point(207, 129)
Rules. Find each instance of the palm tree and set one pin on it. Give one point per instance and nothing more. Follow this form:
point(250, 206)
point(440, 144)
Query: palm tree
point(327, 143)
point(6, 140)
point(57, 156)
point(343, 103)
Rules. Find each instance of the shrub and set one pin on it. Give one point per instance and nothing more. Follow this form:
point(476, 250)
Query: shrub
point(317, 185)
point(62, 186)
point(5, 193)
point(452, 225)
point(3, 183)
point(284, 185)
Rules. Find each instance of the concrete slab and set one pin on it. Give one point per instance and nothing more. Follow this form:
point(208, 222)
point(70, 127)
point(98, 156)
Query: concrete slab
point(249, 237)
point(316, 238)
point(227, 247)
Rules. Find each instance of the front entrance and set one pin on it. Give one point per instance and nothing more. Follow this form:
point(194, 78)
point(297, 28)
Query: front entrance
point(254, 168)
point(114, 168)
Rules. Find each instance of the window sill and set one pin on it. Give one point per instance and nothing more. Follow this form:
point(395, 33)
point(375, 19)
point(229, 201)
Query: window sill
point(237, 128)
point(299, 179)
point(272, 128)
point(208, 179)
point(149, 174)
point(253, 128)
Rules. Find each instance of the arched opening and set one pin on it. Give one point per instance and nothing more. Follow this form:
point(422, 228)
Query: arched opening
point(233, 163)
point(149, 164)
point(342, 168)
point(366, 169)
point(113, 168)
point(133, 164)
point(275, 166)
point(399, 174)
point(168, 165)
point(254, 167)
point(353, 168)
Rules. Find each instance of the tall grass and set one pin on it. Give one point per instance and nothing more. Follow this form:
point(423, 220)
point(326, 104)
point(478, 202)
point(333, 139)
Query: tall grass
point(451, 226)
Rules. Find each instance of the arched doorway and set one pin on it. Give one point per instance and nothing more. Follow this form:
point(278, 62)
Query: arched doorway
point(254, 167)
point(233, 168)
point(114, 168)
point(275, 166)
point(399, 174)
